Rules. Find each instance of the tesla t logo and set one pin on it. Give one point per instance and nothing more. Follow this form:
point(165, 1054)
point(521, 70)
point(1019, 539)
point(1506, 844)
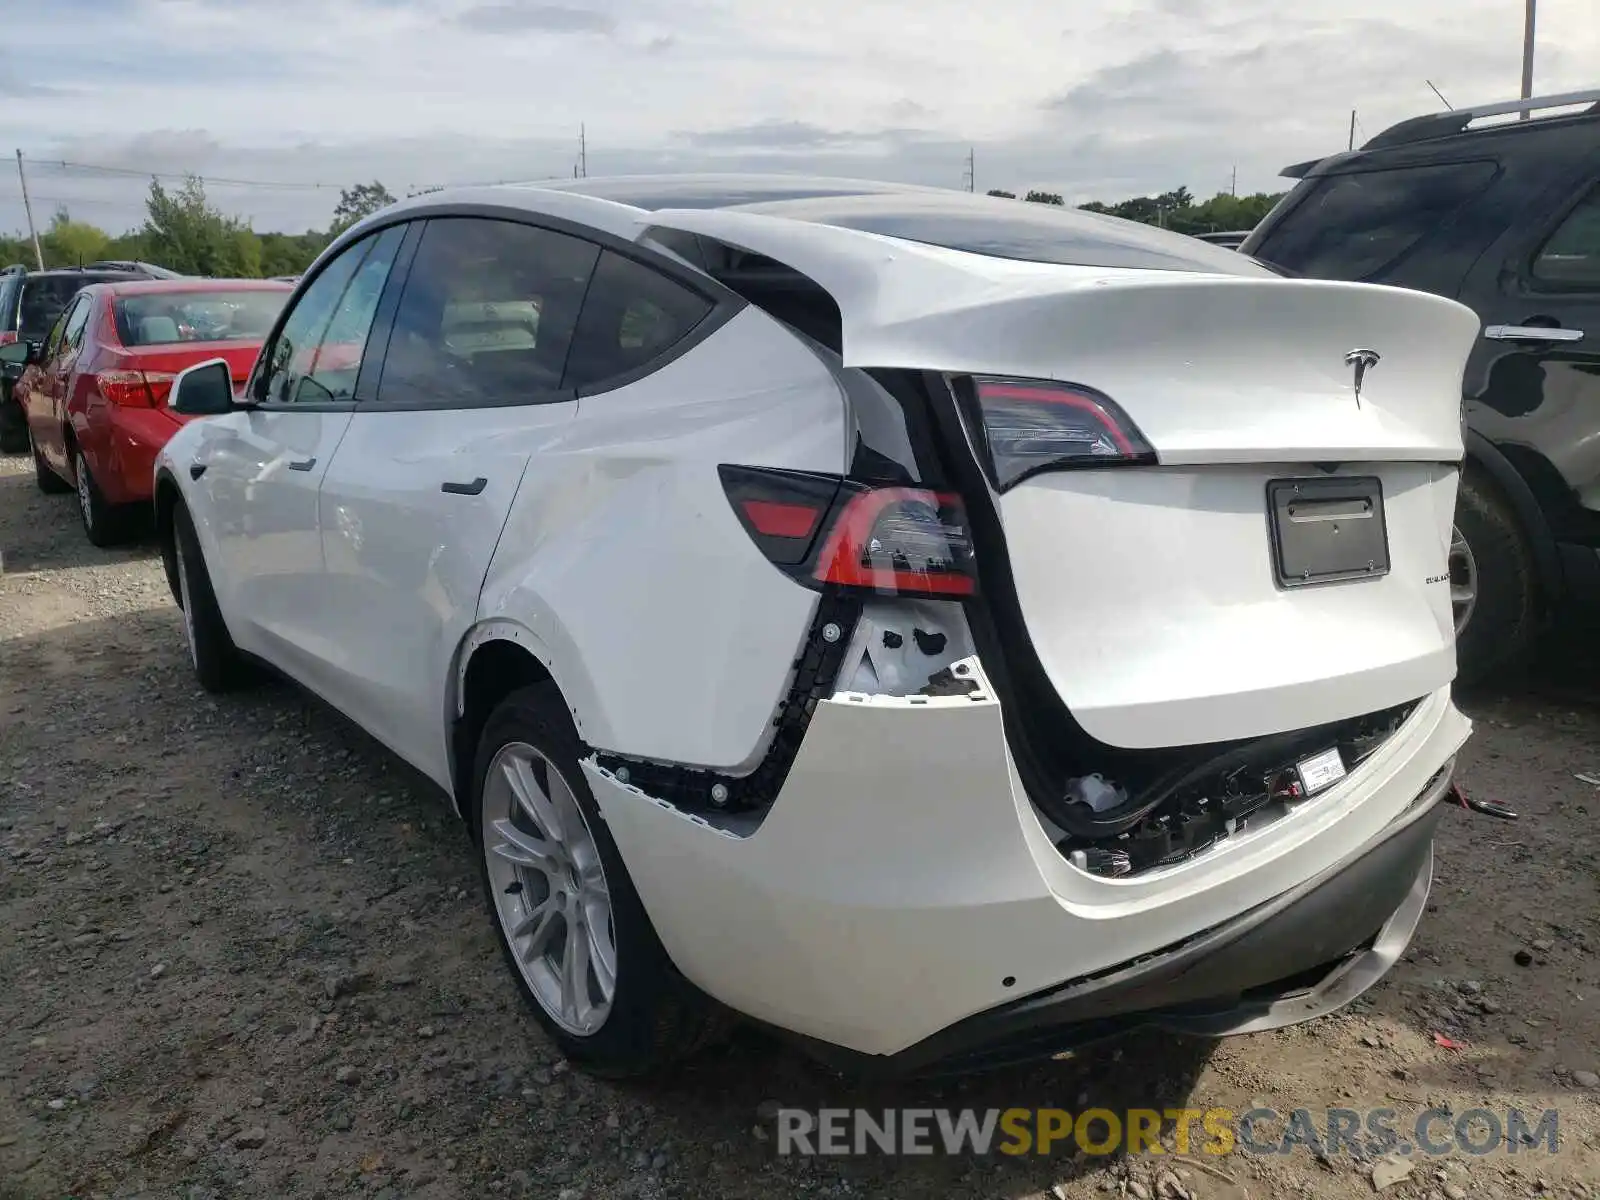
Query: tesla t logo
point(1362, 361)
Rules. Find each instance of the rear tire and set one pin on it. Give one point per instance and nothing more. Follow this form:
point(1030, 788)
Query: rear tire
point(218, 665)
point(47, 480)
point(653, 1017)
point(105, 524)
point(1504, 617)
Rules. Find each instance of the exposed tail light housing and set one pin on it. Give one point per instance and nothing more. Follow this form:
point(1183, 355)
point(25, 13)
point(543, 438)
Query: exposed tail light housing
point(1032, 425)
point(824, 530)
point(135, 389)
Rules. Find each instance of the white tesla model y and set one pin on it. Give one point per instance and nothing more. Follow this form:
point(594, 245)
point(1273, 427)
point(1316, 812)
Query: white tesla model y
point(944, 628)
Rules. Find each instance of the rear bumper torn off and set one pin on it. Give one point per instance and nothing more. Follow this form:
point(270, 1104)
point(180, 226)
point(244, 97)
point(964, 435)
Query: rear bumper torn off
point(1299, 957)
point(902, 889)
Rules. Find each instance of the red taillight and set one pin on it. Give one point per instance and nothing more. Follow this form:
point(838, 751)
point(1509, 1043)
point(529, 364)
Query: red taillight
point(1032, 425)
point(824, 530)
point(136, 389)
point(160, 385)
point(7, 337)
point(902, 540)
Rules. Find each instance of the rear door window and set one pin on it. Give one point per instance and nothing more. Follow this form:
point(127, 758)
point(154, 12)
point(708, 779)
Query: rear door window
point(1570, 259)
point(487, 315)
point(1356, 226)
point(632, 315)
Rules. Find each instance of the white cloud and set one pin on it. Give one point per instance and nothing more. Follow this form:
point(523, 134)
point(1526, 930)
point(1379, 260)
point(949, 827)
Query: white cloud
point(1096, 99)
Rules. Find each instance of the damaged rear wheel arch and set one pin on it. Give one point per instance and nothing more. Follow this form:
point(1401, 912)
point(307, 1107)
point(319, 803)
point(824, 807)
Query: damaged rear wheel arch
point(492, 667)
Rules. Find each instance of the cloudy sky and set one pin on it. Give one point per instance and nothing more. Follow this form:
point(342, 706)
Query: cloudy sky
point(1097, 99)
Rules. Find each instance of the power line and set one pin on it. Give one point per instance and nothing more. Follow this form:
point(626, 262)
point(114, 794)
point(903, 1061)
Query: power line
point(134, 172)
point(68, 166)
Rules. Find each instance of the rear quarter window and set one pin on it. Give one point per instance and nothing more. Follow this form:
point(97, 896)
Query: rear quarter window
point(1570, 259)
point(1359, 225)
point(632, 315)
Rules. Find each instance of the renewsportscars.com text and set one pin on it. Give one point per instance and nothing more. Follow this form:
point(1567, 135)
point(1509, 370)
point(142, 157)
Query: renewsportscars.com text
point(1359, 1133)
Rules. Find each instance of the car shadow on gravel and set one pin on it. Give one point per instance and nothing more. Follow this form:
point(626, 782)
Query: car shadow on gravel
point(50, 534)
point(313, 903)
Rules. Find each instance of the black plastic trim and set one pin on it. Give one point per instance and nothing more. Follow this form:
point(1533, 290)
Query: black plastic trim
point(816, 671)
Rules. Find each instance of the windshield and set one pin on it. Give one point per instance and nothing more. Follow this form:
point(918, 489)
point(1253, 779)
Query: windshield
point(162, 318)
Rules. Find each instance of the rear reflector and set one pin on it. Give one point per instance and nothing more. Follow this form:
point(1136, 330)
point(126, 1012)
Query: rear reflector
point(135, 389)
point(782, 520)
point(826, 530)
point(1039, 425)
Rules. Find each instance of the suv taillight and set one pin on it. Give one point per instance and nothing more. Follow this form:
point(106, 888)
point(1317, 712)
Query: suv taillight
point(826, 530)
point(1035, 425)
point(7, 337)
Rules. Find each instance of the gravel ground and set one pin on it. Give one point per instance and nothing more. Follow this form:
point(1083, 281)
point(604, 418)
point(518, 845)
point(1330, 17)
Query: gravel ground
point(244, 955)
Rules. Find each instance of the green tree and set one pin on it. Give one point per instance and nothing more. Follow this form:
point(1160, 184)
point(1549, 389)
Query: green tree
point(1044, 197)
point(360, 201)
point(184, 232)
point(69, 243)
point(1000, 192)
point(1177, 210)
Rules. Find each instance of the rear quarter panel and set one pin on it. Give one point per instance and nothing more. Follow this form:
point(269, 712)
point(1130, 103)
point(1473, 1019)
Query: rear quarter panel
point(624, 569)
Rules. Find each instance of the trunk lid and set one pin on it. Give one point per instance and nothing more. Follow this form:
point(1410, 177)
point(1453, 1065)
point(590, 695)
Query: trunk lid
point(170, 359)
point(1186, 602)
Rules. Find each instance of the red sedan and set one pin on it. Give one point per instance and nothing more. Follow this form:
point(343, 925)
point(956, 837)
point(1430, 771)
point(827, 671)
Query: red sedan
point(96, 391)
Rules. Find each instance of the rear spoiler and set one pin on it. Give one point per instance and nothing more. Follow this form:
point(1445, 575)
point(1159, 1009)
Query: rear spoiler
point(1300, 170)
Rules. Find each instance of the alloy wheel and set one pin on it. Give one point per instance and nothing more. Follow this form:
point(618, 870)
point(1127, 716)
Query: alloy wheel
point(186, 601)
point(1463, 580)
point(549, 886)
point(85, 496)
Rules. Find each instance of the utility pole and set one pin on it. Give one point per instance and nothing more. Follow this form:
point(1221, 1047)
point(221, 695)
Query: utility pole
point(1352, 129)
point(583, 151)
point(1233, 188)
point(1527, 58)
point(969, 176)
point(28, 208)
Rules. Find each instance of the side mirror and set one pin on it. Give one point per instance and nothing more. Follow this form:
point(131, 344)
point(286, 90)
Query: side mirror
point(18, 354)
point(203, 390)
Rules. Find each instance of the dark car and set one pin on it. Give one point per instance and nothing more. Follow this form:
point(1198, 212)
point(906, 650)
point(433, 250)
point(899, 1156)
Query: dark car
point(30, 302)
point(1499, 208)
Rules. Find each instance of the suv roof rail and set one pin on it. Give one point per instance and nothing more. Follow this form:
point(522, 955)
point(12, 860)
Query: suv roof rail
point(1456, 120)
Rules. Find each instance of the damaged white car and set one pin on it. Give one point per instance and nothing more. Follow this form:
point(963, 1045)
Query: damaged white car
point(945, 629)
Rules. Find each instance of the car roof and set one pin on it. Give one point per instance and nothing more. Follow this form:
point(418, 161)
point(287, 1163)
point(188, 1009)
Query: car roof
point(94, 275)
point(721, 190)
point(1455, 130)
point(993, 226)
point(1005, 228)
point(147, 287)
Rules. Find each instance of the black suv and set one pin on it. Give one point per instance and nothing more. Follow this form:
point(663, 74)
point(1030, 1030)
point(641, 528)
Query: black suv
point(1497, 207)
point(30, 302)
